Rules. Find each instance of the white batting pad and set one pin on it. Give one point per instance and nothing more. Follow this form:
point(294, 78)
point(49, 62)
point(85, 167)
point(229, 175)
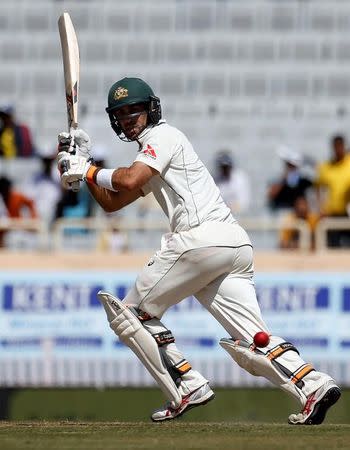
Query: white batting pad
point(130, 331)
point(260, 366)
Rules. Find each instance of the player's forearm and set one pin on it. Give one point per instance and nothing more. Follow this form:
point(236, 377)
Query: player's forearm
point(103, 196)
point(112, 201)
point(114, 189)
point(123, 179)
point(133, 177)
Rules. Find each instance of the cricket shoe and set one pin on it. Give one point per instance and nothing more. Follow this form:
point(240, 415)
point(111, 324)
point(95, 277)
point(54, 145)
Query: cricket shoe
point(317, 405)
point(199, 397)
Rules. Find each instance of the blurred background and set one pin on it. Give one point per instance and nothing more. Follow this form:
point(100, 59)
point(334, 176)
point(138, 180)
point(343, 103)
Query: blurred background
point(261, 89)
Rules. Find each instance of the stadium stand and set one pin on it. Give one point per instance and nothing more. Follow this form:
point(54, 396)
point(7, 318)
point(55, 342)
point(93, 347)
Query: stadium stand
point(249, 77)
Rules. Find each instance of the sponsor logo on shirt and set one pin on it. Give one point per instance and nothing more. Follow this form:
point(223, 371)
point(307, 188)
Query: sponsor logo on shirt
point(149, 151)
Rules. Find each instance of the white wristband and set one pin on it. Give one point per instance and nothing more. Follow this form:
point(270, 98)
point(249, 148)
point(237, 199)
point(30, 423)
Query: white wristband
point(104, 179)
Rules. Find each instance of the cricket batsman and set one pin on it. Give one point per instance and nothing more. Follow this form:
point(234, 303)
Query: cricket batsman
point(207, 254)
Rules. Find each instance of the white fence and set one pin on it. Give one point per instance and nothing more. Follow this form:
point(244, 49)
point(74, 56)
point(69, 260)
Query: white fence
point(97, 233)
point(69, 372)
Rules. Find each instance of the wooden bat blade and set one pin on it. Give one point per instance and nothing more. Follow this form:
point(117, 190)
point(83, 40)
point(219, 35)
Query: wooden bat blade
point(71, 67)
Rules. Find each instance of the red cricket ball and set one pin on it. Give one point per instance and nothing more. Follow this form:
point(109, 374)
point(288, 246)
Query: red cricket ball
point(261, 339)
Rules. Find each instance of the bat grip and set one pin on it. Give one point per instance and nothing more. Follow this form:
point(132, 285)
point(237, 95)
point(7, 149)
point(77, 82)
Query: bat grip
point(75, 186)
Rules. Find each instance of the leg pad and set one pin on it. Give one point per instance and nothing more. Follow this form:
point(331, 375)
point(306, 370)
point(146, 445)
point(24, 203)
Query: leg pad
point(130, 330)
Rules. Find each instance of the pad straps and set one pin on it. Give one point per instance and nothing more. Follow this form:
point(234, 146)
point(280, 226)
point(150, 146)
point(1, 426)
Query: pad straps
point(296, 376)
point(280, 349)
point(175, 370)
point(163, 339)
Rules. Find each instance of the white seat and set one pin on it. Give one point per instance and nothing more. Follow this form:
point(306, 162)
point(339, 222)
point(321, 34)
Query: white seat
point(343, 50)
point(297, 86)
point(94, 50)
point(36, 19)
point(339, 86)
point(138, 51)
point(322, 19)
point(263, 51)
point(254, 86)
point(50, 49)
point(45, 82)
point(283, 18)
point(285, 50)
point(11, 50)
point(160, 19)
point(80, 17)
point(119, 20)
point(89, 84)
point(8, 86)
point(243, 50)
point(342, 19)
point(179, 51)
point(220, 50)
point(201, 17)
point(240, 18)
point(172, 83)
point(305, 50)
point(234, 85)
point(327, 50)
point(212, 84)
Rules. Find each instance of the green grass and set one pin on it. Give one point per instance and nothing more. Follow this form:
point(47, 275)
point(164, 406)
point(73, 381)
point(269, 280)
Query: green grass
point(135, 405)
point(238, 419)
point(177, 435)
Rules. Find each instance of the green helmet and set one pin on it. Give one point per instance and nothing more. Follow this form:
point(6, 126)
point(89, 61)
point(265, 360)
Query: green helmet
point(131, 91)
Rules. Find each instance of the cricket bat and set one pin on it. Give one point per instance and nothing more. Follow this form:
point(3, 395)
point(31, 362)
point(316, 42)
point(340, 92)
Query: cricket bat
point(71, 68)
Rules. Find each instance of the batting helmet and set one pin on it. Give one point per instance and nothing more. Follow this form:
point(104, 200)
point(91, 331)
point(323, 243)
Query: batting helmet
point(132, 91)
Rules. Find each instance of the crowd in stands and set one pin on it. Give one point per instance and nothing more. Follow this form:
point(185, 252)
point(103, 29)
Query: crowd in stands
point(295, 195)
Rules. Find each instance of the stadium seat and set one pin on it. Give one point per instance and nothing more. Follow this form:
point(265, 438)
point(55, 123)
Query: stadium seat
point(206, 60)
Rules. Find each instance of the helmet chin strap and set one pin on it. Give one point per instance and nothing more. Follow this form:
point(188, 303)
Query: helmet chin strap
point(125, 138)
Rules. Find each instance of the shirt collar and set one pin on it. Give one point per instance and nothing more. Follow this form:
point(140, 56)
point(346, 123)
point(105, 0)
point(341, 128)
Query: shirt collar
point(144, 133)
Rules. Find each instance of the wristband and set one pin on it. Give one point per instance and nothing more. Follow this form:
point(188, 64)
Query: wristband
point(104, 179)
point(91, 174)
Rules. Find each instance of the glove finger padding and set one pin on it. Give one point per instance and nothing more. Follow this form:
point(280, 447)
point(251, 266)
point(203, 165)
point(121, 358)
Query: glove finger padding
point(83, 143)
point(65, 142)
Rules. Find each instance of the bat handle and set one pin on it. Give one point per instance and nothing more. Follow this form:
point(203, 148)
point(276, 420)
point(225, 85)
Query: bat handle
point(76, 184)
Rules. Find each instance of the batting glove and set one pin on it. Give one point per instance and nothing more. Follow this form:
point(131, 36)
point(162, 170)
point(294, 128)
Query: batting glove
point(73, 168)
point(77, 142)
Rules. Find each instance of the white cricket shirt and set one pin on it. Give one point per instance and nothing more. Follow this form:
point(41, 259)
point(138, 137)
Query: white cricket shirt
point(184, 188)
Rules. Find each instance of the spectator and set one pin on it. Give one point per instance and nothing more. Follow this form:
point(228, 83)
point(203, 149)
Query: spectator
point(283, 193)
point(17, 204)
point(44, 188)
point(289, 238)
point(233, 183)
point(15, 138)
point(333, 188)
point(74, 204)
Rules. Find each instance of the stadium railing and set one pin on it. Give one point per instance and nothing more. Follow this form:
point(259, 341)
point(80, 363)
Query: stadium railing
point(329, 224)
point(90, 230)
point(37, 226)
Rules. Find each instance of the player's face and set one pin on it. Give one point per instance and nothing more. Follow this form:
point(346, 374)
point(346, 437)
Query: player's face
point(132, 119)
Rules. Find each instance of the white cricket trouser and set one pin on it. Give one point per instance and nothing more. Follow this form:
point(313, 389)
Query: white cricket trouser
point(213, 262)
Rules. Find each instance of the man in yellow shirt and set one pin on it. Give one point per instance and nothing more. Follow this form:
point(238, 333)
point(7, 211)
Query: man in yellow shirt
point(15, 138)
point(333, 183)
